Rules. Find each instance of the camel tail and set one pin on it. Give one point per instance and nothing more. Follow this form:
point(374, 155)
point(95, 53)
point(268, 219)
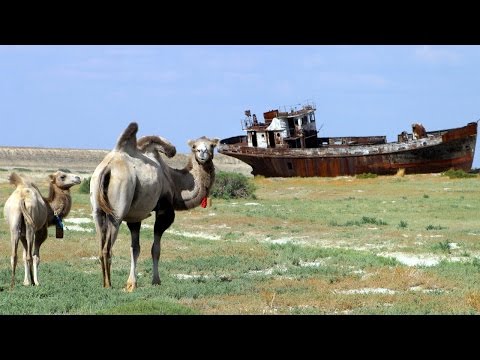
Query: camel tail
point(128, 139)
point(26, 214)
point(15, 179)
point(102, 197)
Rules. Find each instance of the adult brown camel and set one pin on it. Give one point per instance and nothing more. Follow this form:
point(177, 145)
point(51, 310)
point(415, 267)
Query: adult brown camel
point(29, 215)
point(133, 180)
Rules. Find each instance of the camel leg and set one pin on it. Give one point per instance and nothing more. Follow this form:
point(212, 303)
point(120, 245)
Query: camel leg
point(164, 218)
point(107, 240)
point(40, 237)
point(27, 255)
point(26, 279)
point(14, 236)
point(134, 252)
point(101, 226)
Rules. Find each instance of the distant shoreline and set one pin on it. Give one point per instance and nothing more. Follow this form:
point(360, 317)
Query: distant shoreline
point(86, 160)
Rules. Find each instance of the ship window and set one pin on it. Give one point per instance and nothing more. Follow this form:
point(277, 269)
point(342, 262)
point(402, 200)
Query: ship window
point(289, 165)
point(312, 118)
point(304, 120)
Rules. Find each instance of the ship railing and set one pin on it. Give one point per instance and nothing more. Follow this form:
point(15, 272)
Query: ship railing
point(297, 108)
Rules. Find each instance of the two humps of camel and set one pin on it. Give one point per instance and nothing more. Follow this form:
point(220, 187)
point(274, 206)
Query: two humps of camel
point(29, 214)
point(133, 180)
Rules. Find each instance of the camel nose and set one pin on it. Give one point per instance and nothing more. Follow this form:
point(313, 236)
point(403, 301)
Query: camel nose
point(77, 178)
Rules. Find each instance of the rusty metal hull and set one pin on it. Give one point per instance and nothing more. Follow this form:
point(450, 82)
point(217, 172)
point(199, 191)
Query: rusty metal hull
point(438, 152)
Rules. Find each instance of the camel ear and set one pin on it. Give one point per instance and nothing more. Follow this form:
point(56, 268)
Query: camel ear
point(215, 141)
point(191, 143)
point(51, 176)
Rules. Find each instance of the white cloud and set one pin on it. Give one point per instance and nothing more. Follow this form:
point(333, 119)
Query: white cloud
point(437, 54)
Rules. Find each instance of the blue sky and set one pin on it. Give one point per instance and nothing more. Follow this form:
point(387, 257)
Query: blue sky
point(84, 96)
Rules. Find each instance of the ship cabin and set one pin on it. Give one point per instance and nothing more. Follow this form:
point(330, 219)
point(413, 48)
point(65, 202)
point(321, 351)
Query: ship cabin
point(282, 129)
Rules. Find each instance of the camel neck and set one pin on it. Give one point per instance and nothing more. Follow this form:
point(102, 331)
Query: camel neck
point(193, 184)
point(59, 201)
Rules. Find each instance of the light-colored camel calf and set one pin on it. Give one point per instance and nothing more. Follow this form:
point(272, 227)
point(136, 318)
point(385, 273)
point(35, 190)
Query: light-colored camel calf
point(28, 216)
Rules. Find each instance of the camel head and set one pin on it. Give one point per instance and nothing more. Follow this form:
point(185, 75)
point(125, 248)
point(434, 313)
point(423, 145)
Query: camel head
point(203, 148)
point(63, 180)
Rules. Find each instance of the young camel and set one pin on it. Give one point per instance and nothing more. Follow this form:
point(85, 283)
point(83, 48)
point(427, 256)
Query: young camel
point(133, 180)
point(29, 215)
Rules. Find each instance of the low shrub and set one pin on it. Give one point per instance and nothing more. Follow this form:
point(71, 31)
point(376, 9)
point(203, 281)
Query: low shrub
point(85, 186)
point(366, 176)
point(458, 174)
point(229, 185)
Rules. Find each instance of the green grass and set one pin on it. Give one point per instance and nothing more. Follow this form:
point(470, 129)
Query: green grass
point(149, 307)
point(366, 176)
point(308, 246)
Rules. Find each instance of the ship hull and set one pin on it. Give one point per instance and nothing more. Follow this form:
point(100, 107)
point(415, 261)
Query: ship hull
point(440, 151)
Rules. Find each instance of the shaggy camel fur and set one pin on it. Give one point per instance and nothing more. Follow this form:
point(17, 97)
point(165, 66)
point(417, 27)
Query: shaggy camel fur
point(133, 180)
point(28, 215)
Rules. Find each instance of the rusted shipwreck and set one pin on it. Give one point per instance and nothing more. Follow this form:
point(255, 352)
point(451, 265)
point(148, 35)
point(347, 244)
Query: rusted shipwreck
point(287, 144)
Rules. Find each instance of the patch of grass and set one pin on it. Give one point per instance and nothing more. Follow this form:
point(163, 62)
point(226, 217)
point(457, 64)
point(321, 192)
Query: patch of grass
point(366, 176)
point(364, 220)
point(458, 174)
point(403, 224)
point(435, 227)
point(22, 169)
point(372, 220)
point(443, 246)
point(149, 307)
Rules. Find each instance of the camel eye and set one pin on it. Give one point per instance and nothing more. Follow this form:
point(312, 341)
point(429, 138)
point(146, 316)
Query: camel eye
point(63, 177)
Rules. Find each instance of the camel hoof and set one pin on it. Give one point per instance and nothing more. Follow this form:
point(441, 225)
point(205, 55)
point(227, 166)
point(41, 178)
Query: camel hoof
point(130, 287)
point(156, 282)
